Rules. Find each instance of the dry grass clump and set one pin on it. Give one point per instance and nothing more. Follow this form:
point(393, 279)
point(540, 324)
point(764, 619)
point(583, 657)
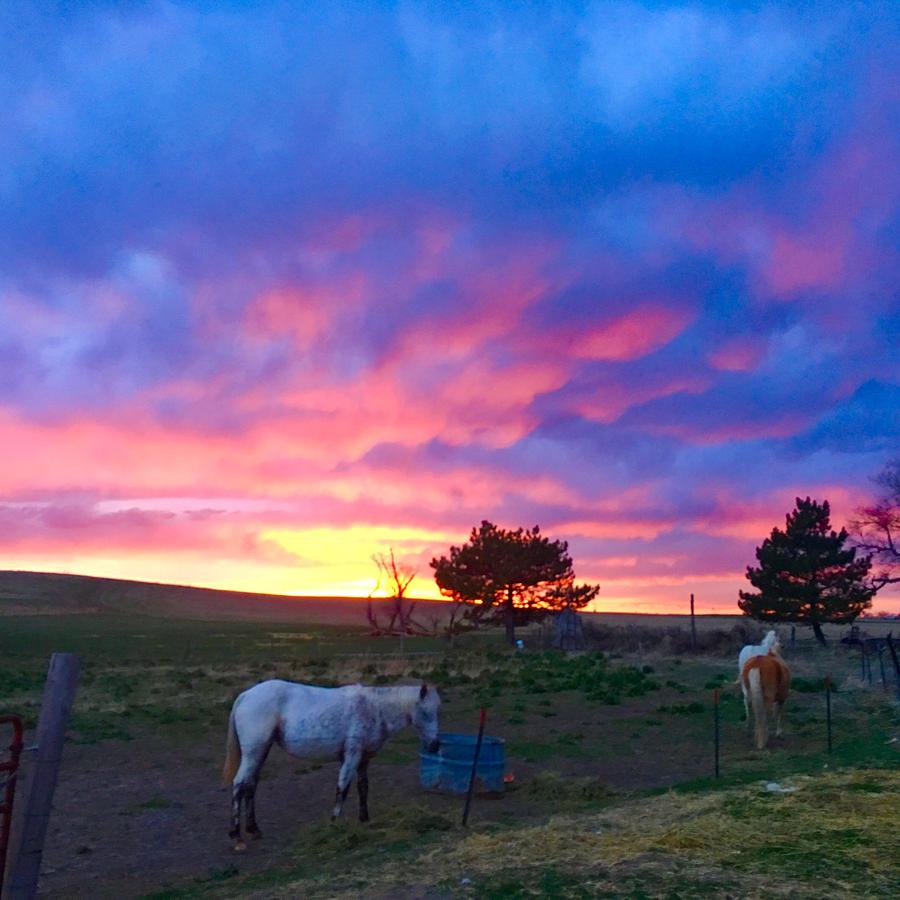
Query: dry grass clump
point(567, 791)
point(834, 835)
point(840, 829)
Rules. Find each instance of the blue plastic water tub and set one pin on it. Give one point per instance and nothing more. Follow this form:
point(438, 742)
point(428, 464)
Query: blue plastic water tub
point(450, 768)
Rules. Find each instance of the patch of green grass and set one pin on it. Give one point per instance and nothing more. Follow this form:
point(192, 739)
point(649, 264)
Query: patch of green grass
point(810, 685)
point(548, 882)
point(567, 745)
point(155, 803)
point(91, 727)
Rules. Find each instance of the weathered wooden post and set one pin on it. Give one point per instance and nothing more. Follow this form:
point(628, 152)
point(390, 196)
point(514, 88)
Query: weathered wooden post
point(693, 627)
point(37, 796)
point(828, 708)
point(716, 727)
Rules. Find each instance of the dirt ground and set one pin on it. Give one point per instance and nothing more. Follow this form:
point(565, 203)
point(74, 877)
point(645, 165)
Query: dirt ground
point(132, 817)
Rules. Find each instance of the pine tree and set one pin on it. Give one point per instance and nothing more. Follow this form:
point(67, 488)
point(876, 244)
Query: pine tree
point(510, 577)
point(806, 574)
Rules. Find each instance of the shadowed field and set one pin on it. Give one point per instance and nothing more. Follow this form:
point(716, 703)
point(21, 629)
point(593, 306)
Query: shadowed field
point(140, 809)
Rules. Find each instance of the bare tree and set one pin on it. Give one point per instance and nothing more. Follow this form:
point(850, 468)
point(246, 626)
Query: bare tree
point(876, 528)
point(397, 578)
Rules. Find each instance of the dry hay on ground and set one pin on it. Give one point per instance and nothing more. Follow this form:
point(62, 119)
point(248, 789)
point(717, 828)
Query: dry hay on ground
point(832, 835)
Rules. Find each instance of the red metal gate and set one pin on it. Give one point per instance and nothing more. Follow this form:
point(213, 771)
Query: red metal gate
point(8, 770)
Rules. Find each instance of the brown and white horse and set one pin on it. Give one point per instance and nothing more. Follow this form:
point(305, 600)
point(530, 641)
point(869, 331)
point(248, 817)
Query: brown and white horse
point(769, 642)
point(766, 680)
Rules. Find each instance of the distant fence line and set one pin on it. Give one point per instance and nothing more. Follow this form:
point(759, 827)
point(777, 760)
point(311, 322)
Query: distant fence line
point(390, 655)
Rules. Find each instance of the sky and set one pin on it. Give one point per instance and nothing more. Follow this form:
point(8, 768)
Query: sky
point(285, 285)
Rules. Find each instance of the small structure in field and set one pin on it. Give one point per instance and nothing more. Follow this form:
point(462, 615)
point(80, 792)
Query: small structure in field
point(568, 632)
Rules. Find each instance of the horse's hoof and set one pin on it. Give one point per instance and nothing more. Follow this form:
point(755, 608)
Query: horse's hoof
point(239, 846)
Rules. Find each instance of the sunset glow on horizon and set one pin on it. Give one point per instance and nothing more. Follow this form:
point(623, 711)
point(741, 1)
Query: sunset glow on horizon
point(284, 287)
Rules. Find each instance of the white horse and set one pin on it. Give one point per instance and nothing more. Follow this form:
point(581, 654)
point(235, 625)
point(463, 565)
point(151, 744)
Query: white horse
point(349, 724)
point(747, 653)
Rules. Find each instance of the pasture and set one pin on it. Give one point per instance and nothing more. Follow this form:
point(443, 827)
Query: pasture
point(611, 754)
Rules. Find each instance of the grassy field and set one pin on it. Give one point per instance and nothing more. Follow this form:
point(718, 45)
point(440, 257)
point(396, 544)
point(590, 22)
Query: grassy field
point(611, 755)
point(49, 594)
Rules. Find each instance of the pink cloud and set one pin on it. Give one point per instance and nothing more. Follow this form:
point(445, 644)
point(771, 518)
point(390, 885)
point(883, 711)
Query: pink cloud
point(776, 424)
point(85, 530)
point(495, 288)
point(616, 398)
point(737, 355)
point(649, 326)
point(291, 313)
point(800, 261)
point(847, 198)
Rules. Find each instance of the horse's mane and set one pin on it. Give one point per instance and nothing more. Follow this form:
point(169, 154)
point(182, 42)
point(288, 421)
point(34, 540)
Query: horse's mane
point(402, 696)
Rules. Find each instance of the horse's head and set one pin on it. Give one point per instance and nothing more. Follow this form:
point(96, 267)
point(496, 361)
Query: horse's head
point(425, 717)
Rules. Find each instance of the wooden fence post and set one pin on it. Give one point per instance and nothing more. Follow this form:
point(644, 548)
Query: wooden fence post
point(37, 796)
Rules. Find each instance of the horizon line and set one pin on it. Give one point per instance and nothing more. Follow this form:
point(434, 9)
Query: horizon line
point(301, 597)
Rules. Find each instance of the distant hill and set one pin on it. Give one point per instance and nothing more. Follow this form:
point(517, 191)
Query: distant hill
point(45, 593)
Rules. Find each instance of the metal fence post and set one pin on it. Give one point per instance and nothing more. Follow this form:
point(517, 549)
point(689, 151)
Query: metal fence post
point(481, 718)
point(716, 728)
point(890, 644)
point(693, 627)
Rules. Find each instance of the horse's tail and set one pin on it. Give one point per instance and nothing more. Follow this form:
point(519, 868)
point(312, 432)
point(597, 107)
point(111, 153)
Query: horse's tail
point(758, 705)
point(232, 752)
